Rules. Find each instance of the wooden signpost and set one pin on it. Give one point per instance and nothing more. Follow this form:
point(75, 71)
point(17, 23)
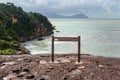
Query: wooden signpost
point(66, 39)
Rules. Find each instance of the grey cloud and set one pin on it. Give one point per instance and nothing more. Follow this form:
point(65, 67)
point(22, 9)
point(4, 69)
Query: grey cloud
point(69, 6)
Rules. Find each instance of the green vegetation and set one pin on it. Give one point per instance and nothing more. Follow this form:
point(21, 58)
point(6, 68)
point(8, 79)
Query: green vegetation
point(18, 26)
point(7, 52)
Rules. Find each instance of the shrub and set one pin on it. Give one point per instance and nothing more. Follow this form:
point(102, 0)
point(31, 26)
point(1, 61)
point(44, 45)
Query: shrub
point(7, 52)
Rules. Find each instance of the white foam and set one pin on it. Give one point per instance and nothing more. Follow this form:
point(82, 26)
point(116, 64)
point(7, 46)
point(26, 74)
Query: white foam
point(39, 52)
point(31, 46)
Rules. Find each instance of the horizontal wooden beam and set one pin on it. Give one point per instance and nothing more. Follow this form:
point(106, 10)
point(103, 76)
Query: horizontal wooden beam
point(65, 38)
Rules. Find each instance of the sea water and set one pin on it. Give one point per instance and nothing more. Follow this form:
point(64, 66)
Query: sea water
point(99, 37)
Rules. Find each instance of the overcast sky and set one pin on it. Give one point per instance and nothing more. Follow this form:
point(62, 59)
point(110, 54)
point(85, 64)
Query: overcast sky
point(93, 8)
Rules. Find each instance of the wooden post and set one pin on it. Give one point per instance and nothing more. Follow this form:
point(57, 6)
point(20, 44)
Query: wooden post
point(52, 49)
point(79, 39)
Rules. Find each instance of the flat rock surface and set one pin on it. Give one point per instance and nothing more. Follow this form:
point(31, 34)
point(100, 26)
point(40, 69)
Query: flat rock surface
point(65, 67)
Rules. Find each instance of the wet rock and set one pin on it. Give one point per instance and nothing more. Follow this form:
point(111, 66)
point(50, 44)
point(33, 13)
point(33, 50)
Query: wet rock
point(44, 55)
point(56, 62)
point(37, 60)
point(10, 77)
point(86, 70)
point(22, 74)
point(24, 59)
point(48, 70)
point(67, 56)
point(81, 67)
point(65, 78)
point(57, 31)
point(62, 60)
point(97, 62)
point(43, 62)
point(19, 52)
point(73, 75)
point(27, 60)
point(61, 69)
point(3, 67)
point(40, 38)
point(50, 67)
point(25, 69)
point(8, 63)
point(101, 66)
point(16, 71)
point(109, 65)
point(77, 71)
point(71, 69)
point(20, 59)
point(43, 77)
point(23, 50)
point(30, 76)
point(81, 62)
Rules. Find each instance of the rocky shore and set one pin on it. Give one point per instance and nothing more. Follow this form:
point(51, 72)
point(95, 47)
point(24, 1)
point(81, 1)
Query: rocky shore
point(65, 67)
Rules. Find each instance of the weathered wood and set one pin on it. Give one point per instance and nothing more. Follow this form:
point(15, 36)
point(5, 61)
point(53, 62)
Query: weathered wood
point(66, 39)
point(52, 49)
point(79, 39)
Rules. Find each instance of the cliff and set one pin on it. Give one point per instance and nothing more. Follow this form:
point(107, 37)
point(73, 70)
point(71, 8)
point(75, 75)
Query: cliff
point(18, 26)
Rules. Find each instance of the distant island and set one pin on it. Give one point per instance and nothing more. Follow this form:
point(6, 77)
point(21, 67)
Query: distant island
point(18, 26)
point(55, 15)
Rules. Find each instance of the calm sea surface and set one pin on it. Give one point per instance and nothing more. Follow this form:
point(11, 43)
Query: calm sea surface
point(99, 37)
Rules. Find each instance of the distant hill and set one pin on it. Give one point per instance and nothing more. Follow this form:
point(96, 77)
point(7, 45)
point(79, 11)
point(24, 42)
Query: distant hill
point(79, 16)
point(55, 15)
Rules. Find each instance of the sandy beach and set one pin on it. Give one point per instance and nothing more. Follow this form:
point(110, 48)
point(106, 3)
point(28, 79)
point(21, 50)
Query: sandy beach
point(65, 67)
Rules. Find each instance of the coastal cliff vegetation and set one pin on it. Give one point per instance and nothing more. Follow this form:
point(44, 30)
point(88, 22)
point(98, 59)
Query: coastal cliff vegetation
point(18, 26)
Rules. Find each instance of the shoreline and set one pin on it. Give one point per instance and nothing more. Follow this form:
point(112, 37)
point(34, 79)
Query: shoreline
point(65, 67)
